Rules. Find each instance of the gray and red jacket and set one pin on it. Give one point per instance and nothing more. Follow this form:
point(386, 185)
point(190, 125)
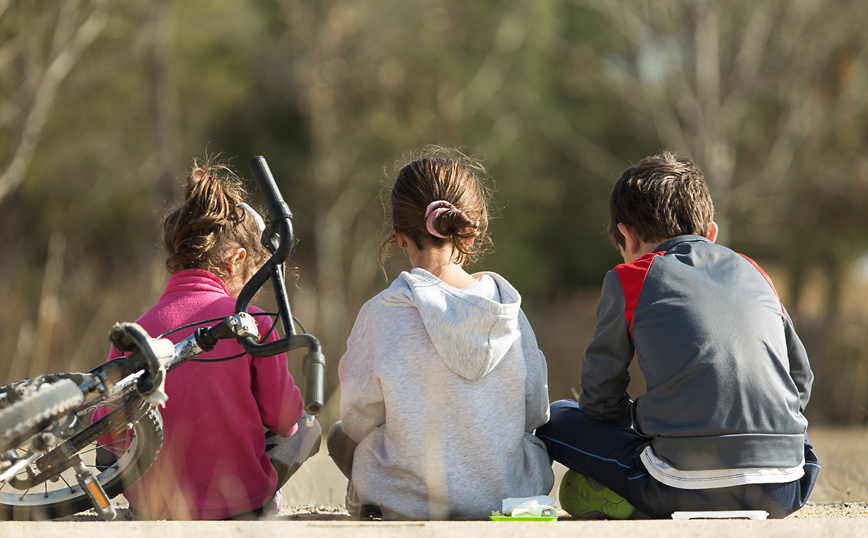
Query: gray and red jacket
point(727, 377)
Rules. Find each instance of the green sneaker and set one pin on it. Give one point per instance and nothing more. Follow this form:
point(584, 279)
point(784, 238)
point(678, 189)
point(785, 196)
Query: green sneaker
point(585, 498)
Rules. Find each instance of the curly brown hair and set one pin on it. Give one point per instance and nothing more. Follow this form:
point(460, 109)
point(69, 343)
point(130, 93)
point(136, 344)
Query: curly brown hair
point(209, 223)
point(660, 197)
point(434, 174)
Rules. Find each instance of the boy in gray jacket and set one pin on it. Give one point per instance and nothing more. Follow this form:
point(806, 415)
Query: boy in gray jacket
point(727, 378)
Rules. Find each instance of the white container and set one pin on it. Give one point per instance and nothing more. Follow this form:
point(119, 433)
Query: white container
point(722, 514)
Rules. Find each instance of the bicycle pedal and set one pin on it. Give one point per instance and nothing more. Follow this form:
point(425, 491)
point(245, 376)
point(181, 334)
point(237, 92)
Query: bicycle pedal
point(95, 492)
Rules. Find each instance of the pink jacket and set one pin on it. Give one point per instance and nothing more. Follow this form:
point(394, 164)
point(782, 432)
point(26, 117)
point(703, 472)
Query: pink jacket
point(213, 463)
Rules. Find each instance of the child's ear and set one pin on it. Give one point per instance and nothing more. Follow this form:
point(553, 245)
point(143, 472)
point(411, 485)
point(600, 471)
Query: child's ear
point(631, 239)
point(711, 234)
point(235, 259)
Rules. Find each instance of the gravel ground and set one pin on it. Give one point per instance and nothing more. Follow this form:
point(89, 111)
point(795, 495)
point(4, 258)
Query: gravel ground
point(831, 510)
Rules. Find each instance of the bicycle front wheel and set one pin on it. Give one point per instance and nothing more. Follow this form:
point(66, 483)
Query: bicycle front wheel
point(137, 449)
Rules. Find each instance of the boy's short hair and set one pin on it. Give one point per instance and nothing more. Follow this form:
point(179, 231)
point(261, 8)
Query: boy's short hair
point(660, 197)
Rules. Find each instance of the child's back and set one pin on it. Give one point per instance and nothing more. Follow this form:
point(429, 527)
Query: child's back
point(213, 463)
point(714, 345)
point(455, 403)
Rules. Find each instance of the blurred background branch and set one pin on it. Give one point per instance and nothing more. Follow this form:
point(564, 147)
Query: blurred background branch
point(44, 75)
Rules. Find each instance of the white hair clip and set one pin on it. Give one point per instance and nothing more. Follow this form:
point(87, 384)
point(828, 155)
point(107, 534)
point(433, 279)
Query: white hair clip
point(256, 217)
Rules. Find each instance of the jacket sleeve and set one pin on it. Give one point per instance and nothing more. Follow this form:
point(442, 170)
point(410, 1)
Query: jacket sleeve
point(362, 406)
point(800, 368)
point(604, 365)
point(536, 383)
point(279, 400)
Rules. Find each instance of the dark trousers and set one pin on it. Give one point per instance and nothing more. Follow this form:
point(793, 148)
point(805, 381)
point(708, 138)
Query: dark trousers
point(610, 455)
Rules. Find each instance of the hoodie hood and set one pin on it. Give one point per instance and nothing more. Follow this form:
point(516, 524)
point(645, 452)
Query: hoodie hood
point(471, 333)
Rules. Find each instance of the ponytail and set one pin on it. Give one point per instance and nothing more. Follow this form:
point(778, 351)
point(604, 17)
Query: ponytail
point(209, 222)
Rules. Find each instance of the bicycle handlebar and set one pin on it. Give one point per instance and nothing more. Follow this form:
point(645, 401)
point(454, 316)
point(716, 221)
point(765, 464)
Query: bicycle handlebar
point(277, 208)
point(280, 222)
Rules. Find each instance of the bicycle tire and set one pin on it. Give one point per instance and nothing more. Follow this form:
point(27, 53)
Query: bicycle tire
point(35, 410)
point(69, 499)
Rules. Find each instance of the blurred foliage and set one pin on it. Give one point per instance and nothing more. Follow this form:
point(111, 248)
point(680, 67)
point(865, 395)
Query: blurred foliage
point(105, 103)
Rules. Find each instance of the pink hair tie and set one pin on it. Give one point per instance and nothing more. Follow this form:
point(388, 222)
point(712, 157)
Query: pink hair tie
point(434, 210)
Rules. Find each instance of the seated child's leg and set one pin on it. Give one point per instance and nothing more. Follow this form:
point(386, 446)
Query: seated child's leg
point(606, 453)
point(784, 499)
point(288, 453)
point(812, 470)
point(610, 455)
point(341, 449)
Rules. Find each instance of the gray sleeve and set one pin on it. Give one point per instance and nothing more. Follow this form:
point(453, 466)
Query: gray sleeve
point(800, 368)
point(604, 365)
point(362, 406)
point(536, 385)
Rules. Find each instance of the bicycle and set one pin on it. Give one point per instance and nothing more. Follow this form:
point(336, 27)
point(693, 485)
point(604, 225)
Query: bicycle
point(48, 437)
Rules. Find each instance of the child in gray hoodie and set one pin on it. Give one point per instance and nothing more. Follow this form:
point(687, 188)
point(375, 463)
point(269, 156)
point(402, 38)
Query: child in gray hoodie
point(442, 384)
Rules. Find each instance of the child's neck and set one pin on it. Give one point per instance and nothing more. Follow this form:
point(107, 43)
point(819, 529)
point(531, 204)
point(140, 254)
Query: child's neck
point(439, 263)
point(451, 274)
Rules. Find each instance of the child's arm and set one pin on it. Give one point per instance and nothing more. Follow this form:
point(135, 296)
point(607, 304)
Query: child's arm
point(362, 405)
point(800, 368)
point(604, 365)
point(279, 400)
point(536, 384)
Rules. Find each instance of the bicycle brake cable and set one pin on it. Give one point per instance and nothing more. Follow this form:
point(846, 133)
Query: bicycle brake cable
point(274, 315)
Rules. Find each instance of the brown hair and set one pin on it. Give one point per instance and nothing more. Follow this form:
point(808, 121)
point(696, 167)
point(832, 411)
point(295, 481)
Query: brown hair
point(448, 175)
point(198, 234)
point(661, 197)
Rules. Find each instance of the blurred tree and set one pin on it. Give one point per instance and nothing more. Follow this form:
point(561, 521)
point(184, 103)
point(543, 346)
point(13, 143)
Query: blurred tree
point(34, 64)
point(556, 96)
point(125, 124)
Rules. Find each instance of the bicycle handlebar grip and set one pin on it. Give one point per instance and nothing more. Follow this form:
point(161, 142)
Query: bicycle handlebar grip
point(314, 374)
point(277, 208)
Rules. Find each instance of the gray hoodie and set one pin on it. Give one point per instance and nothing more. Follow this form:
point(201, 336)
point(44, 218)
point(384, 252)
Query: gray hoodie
point(442, 388)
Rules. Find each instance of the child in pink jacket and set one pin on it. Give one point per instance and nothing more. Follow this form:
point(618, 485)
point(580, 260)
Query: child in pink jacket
point(232, 429)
